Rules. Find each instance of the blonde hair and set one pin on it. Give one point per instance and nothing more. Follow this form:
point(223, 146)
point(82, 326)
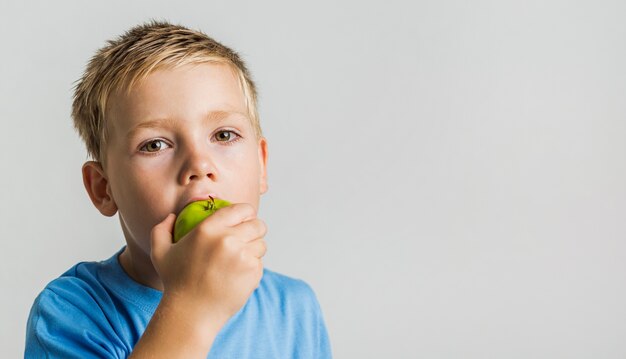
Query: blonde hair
point(132, 57)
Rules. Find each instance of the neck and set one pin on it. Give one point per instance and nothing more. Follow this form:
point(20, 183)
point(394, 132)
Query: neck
point(138, 265)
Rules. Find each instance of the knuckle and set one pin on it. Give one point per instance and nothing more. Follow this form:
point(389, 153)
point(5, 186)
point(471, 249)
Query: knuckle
point(203, 228)
point(229, 241)
point(254, 268)
point(245, 259)
point(225, 243)
point(262, 227)
point(230, 244)
point(200, 229)
point(246, 210)
point(207, 229)
point(154, 232)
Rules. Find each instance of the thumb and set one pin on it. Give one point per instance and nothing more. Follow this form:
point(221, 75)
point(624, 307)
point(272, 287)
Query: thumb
point(161, 237)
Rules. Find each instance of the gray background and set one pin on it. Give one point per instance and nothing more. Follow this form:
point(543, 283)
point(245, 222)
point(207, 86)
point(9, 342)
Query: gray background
point(447, 175)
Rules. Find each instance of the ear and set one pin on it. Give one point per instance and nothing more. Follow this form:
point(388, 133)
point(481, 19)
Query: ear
point(98, 188)
point(263, 164)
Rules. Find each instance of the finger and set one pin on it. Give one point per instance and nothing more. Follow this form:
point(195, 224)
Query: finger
point(257, 248)
point(250, 230)
point(234, 214)
point(161, 237)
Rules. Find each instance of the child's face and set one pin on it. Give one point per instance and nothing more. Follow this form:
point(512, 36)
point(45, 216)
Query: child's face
point(181, 134)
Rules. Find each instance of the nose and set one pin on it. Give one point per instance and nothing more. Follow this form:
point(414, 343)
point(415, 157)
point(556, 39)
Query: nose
point(197, 167)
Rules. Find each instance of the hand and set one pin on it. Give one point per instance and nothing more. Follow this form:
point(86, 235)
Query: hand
point(215, 268)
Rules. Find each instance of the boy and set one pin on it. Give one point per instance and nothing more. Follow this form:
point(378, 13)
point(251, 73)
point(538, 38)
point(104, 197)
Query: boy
point(169, 117)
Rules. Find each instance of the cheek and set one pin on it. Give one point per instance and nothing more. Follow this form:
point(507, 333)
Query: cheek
point(239, 164)
point(148, 195)
point(240, 174)
point(142, 199)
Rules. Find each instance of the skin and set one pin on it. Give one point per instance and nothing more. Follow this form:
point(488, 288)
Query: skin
point(151, 173)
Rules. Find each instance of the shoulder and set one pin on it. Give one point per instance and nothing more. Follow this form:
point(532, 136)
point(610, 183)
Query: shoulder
point(72, 287)
point(80, 288)
point(68, 298)
point(72, 309)
point(288, 292)
point(82, 278)
point(292, 307)
point(286, 285)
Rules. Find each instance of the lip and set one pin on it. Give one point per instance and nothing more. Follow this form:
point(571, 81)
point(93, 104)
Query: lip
point(202, 198)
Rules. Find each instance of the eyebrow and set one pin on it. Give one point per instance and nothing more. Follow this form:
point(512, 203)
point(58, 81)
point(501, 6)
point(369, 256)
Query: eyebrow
point(212, 116)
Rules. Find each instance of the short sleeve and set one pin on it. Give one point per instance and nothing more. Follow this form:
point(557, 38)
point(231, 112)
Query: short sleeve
point(69, 327)
point(318, 344)
point(323, 342)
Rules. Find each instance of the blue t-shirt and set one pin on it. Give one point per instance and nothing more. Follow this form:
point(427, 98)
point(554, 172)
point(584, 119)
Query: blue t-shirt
point(95, 310)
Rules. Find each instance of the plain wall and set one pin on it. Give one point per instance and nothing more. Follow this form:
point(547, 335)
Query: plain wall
point(449, 176)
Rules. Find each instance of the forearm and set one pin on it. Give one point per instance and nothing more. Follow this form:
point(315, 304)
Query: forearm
point(178, 331)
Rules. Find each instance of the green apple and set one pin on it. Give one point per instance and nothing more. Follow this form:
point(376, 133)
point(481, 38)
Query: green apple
point(194, 213)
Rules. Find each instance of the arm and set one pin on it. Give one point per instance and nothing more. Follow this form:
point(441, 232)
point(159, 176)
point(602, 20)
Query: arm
point(207, 277)
point(175, 331)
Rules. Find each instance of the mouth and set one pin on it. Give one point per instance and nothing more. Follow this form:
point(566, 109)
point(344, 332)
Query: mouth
point(209, 197)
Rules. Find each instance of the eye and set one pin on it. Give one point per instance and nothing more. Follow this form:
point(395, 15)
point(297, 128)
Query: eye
point(154, 146)
point(226, 136)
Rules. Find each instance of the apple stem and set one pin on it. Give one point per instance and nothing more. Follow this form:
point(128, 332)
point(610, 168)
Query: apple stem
point(210, 203)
